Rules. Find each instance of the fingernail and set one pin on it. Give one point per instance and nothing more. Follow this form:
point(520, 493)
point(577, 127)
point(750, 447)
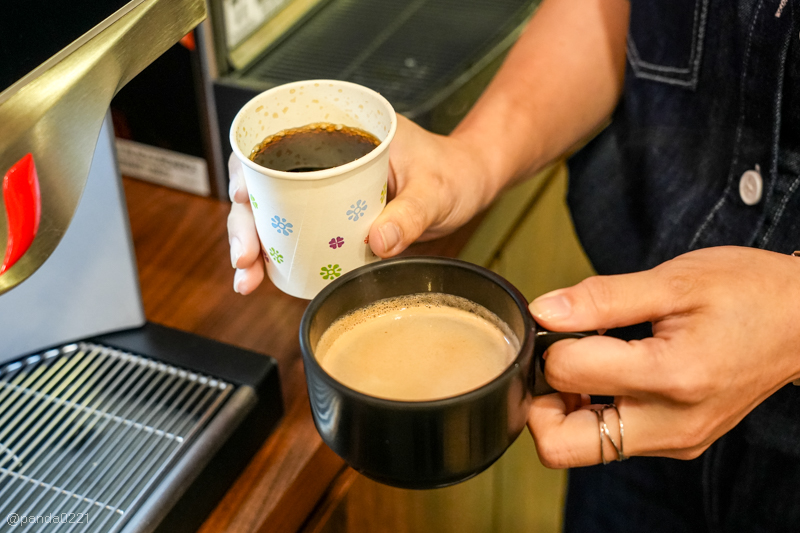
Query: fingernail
point(236, 251)
point(390, 234)
point(233, 186)
point(237, 279)
point(551, 306)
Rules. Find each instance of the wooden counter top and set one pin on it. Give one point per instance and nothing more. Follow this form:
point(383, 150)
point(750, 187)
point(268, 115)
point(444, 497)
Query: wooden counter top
point(187, 283)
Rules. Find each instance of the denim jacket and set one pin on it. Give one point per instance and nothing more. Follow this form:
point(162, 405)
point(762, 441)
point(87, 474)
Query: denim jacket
point(712, 91)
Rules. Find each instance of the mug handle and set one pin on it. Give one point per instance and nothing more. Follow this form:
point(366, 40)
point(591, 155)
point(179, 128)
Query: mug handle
point(543, 340)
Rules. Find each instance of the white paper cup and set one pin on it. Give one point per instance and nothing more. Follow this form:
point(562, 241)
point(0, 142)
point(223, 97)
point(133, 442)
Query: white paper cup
point(314, 226)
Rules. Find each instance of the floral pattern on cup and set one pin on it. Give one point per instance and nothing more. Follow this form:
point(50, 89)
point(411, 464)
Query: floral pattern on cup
point(281, 225)
point(330, 271)
point(253, 201)
point(356, 210)
point(336, 242)
point(383, 193)
point(276, 255)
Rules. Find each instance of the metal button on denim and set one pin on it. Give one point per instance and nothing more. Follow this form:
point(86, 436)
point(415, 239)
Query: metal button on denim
point(750, 187)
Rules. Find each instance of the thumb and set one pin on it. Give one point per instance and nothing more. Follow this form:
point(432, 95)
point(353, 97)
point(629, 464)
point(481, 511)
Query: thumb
point(403, 220)
point(237, 188)
point(605, 302)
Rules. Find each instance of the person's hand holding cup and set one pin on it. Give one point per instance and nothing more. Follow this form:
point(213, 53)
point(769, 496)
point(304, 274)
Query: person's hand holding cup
point(436, 184)
point(314, 195)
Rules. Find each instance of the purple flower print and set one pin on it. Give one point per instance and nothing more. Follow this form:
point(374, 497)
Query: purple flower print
point(338, 242)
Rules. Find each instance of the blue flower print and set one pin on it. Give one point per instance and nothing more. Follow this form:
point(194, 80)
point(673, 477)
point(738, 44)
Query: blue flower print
point(356, 210)
point(281, 225)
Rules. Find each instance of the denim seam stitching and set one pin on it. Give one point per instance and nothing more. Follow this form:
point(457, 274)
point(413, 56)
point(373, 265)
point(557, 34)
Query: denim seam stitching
point(664, 79)
point(739, 130)
point(655, 66)
point(641, 68)
point(700, 40)
point(778, 213)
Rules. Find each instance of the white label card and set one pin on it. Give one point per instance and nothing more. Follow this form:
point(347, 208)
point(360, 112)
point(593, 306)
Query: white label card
point(164, 167)
point(243, 17)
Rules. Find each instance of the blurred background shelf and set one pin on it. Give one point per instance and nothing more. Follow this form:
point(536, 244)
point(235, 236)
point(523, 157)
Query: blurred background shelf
point(430, 58)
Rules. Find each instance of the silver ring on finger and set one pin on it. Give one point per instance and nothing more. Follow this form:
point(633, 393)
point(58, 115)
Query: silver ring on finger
point(605, 433)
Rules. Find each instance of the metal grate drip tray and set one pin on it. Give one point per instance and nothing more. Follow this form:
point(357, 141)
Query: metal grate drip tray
point(87, 431)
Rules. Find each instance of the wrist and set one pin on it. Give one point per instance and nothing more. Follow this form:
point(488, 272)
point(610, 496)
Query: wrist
point(492, 161)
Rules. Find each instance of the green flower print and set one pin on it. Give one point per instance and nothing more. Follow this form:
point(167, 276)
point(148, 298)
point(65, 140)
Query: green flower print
point(276, 256)
point(330, 271)
point(253, 201)
point(383, 193)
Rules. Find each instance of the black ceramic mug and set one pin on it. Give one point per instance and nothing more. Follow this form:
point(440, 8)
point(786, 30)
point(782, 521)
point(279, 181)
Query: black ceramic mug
point(424, 444)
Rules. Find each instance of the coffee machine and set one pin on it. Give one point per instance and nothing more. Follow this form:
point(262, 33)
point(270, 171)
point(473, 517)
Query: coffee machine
point(107, 423)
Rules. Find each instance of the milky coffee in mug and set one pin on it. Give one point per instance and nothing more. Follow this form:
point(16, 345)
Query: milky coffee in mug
point(426, 443)
point(417, 347)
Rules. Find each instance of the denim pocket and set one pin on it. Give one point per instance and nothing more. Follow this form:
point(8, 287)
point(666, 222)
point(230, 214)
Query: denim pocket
point(665, 40)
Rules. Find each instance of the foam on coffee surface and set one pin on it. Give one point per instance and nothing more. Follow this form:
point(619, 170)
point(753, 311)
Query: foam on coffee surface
point(417, 347)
